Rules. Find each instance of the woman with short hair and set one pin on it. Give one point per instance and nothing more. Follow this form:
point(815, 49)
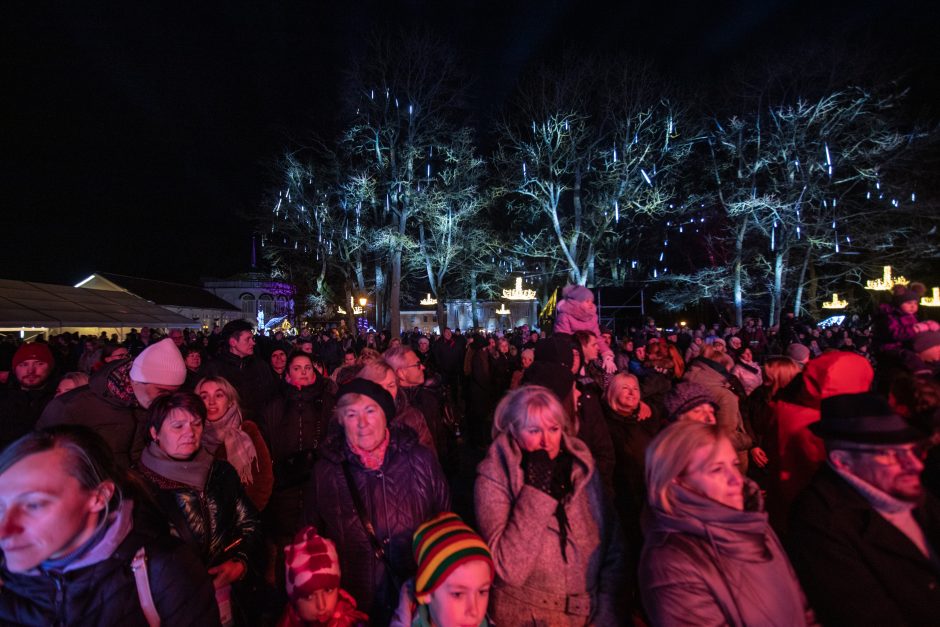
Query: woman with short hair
point(541, 508)
point(710, 556)
point(372, 485)
point(204, 501)
point(75, 539)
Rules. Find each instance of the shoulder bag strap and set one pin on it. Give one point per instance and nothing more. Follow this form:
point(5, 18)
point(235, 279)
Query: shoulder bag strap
point(377, 548)
point(142, 578)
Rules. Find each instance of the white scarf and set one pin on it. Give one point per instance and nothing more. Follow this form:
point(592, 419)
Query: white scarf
point(239, 449)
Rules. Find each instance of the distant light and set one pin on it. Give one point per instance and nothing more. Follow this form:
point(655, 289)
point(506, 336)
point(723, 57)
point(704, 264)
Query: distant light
point(81, 283)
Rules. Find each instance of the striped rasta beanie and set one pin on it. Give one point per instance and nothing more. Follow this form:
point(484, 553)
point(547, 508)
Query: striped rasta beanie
point(440, 546)
point(311, 564)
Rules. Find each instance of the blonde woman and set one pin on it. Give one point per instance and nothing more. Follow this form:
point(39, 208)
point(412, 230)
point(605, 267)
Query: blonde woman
point(710, 556)
point(541, 509)
point(239, 442)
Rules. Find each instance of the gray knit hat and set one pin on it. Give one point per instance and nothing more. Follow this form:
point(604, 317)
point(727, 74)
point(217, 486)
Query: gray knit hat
point(684, 397)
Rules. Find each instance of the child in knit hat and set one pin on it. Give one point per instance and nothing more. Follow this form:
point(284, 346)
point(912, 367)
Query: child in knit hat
point(455, 572)
point(315, 598)
point(576, 312)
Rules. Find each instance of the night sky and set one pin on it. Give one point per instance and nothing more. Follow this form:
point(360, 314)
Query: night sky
point(137, 138)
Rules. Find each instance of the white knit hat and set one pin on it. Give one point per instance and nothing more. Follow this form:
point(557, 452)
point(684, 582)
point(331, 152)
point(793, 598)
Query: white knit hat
point(160, 363)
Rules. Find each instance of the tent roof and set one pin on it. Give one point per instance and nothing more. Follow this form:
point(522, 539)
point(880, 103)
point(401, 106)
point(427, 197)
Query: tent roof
point(170, 294)
point(23, 303)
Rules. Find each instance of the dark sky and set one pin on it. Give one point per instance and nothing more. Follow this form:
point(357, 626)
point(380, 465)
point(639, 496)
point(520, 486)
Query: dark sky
point(136, 137)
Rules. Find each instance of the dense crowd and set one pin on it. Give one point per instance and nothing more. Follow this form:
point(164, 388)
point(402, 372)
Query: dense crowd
point(670, 476)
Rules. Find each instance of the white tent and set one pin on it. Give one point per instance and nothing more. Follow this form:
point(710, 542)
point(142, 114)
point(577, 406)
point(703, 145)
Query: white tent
point(38, 307)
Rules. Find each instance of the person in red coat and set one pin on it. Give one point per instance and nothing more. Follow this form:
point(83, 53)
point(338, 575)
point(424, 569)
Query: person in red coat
point(795, 452)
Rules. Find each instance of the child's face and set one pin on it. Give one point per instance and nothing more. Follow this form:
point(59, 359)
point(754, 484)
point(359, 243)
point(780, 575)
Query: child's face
point(319, 606)
point(588, 305)
point(909, 307)
point(462, 599)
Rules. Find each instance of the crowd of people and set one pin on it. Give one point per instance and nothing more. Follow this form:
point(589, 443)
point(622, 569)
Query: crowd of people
point(669, 476)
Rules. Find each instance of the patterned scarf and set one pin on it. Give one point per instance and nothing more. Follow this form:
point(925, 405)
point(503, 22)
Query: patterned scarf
point(239, 449)
point(119, 384)
point(371, 459)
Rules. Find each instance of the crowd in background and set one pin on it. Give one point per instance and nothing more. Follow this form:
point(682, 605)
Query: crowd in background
point(720, 475)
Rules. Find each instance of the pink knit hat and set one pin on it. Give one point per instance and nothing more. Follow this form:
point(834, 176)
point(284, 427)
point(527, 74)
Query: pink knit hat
point(160, 363)
point(312, 564)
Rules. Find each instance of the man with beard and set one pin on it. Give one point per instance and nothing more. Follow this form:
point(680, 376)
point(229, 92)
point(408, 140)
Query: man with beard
point(864, 535)
point(24, 399)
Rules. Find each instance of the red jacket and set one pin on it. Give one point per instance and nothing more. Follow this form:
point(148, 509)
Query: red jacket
point(796, 452)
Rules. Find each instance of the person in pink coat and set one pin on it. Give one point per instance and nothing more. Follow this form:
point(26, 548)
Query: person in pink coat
point(576, 312)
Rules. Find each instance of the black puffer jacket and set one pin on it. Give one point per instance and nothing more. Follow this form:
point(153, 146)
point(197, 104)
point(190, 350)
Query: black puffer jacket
point(294, 424)
point(105, 592)
point(296, 419)
point(215, 517)
point(406, 491)
point(120, 421)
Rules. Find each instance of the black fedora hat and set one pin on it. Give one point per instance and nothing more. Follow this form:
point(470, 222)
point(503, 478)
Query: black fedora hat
point(864, 418)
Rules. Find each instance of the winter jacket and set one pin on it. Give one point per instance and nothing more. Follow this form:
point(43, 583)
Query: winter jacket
point(20, 410)
point(749, 374)
point(428, 399)
point(294, 424)
point(570, 317)
point(408, 489)
point(534, 581)
point(250, 376)
point(592, 430)
point(99, 588)
point(215, 516)
point(448, 356)
point(113, 412)
point(709, 564)
point(795, 453)
point(893, 329)
point(858, 568)
point(715, 378)
point(630, 437)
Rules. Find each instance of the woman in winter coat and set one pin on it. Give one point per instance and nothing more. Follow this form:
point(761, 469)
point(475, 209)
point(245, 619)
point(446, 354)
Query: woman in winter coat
point(203, 499)
point(294, 424)
point(710, 556)
point(371, 474)
point(747, 371)
point(632, 426)
point(230, 438)
point(78, 548)
point(711, 370)
point(540, 506)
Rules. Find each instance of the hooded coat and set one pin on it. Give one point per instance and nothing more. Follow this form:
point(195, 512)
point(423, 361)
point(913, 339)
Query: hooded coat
point(519, 524)
point(107, 405)
point(795, 452)
point(408, 489)
point(708, 564)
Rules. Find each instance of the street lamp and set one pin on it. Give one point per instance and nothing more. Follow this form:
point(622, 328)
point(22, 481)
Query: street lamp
point(362, 301)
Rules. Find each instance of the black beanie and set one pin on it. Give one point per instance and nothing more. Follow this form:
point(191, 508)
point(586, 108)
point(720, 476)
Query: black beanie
point(374, 391)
